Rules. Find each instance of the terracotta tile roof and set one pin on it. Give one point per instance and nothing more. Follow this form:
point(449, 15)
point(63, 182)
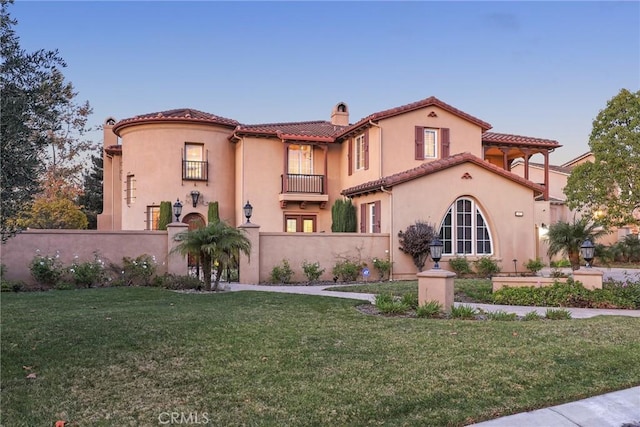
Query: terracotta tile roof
point(114, 150)
point(181, 115)
point(437, 166)
point(319, 130)
point(427, 102)
point(508, 139)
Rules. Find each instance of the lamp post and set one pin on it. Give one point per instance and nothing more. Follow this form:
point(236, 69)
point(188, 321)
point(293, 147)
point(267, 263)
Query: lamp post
point(248, 210)
point(177, 209)
point(195, 196)
point(587, 250)
point(435, 249)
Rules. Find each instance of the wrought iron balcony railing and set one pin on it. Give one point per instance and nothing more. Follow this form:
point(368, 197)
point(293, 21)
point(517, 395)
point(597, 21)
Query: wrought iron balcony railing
point(195, 171)
point(310, 184)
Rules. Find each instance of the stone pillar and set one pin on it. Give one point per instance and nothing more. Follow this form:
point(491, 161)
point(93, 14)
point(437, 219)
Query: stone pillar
point(250, 266)
point(590, 278)
point(176, 263)
point(436, 285)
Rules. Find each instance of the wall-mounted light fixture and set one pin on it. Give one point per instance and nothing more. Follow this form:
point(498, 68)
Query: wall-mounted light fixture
point(519, 214)
point(195, 196)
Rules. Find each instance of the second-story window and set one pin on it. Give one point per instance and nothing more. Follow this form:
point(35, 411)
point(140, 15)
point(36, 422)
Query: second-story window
point(360, 152)
point(430, 143)
point(130, 189)
point(194, 165)
point(300, 160)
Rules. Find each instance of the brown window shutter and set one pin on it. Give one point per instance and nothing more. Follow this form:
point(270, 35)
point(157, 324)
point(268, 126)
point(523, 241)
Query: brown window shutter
point(350, 156)
point(378, 211)
point(444, 137)
point(419, 143)
point(363, 218)
point(366, 149)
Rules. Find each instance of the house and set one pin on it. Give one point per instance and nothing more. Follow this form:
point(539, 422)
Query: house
point(426, 161)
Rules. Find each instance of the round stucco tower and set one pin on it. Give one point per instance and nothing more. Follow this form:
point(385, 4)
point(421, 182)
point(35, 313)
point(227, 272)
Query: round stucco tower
point(180, 154)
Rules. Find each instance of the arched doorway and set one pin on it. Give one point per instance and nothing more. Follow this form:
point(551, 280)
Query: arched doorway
point(194, 221)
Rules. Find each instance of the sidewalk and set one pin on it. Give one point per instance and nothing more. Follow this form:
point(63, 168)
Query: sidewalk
point(616, 409)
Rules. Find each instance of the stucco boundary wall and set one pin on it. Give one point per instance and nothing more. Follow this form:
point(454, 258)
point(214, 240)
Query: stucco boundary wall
point(325, 248)
point(18, 252)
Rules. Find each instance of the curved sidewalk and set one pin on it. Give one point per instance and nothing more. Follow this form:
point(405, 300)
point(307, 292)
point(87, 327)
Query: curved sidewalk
point(321, 290)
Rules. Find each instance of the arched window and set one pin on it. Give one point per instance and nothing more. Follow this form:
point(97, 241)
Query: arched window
point(464, 231)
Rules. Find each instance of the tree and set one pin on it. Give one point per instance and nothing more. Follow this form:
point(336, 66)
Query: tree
point(39, 116)
point(566, 238)
point(343, 216)
point(166, 215)
point(609, 188)
point(217, 245)
point(213, 213)
point(415, 241)
point(56, 213)
point(91, 198)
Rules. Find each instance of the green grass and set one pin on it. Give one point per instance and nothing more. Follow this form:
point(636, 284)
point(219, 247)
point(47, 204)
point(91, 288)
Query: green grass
point(123, 356)
point(466, 290)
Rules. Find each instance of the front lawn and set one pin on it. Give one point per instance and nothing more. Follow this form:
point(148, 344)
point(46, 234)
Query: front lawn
point(127, 356)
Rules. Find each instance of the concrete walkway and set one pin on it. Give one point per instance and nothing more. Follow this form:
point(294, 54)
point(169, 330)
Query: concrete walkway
point(616, 409)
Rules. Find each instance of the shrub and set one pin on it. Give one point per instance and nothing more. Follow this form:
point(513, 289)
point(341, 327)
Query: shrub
point(415, 241)
point(89, 273)
point(343, 216)
point(281, 273)
point(410, 299)
point(534, 265)
point(165, 216)
point(46, 270)
point(347, 270)
point(9, 285)
point(460, 266)
point(178, 282)
point(430, 309)
point(501, 315)
point(135, 271)
point(463, 312)
point(382, 266)
point(486, 266)
point(570, 294)
point(532, 315)
point(312, 270)
point(388, 304)
point(557, 314)
point(626, 290)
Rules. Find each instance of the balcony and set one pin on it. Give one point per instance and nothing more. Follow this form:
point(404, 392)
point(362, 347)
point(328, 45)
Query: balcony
point(195, 171)
point(303, 189)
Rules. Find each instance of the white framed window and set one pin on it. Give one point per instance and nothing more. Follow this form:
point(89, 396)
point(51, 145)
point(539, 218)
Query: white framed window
point(372, 220)
point(430, 143)
point(130, 189)
point(360, 152)
point(300, 160)
point(464, 230)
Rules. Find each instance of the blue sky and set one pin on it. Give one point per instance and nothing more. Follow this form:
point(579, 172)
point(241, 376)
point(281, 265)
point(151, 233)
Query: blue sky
point(540, 69)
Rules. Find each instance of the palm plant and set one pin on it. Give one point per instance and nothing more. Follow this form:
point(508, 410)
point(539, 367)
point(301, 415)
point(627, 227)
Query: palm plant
point(216, 246)
point(566, 238)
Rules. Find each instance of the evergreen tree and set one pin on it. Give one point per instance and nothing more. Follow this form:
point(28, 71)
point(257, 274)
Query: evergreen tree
point(91, 198)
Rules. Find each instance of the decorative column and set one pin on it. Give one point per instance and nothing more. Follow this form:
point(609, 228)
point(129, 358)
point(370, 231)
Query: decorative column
point(436, 285)
point(176, 263)
point(250, 266)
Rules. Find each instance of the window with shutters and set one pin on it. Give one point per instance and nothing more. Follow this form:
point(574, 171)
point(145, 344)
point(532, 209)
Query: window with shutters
point(430, 144)
point(360, 152)
point(370, 214)
point(464, 230)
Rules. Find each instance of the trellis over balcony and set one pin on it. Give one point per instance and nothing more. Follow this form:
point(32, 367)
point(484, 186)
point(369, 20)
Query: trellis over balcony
point(304, 189)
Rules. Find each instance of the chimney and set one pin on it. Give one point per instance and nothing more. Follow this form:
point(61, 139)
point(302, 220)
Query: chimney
point(340, 115)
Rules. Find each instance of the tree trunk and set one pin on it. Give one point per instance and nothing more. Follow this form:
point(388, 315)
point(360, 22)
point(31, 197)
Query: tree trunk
point(574, 259)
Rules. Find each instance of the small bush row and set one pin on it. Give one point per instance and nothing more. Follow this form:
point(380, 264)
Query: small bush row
point(482, 267)
point(344, 270)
